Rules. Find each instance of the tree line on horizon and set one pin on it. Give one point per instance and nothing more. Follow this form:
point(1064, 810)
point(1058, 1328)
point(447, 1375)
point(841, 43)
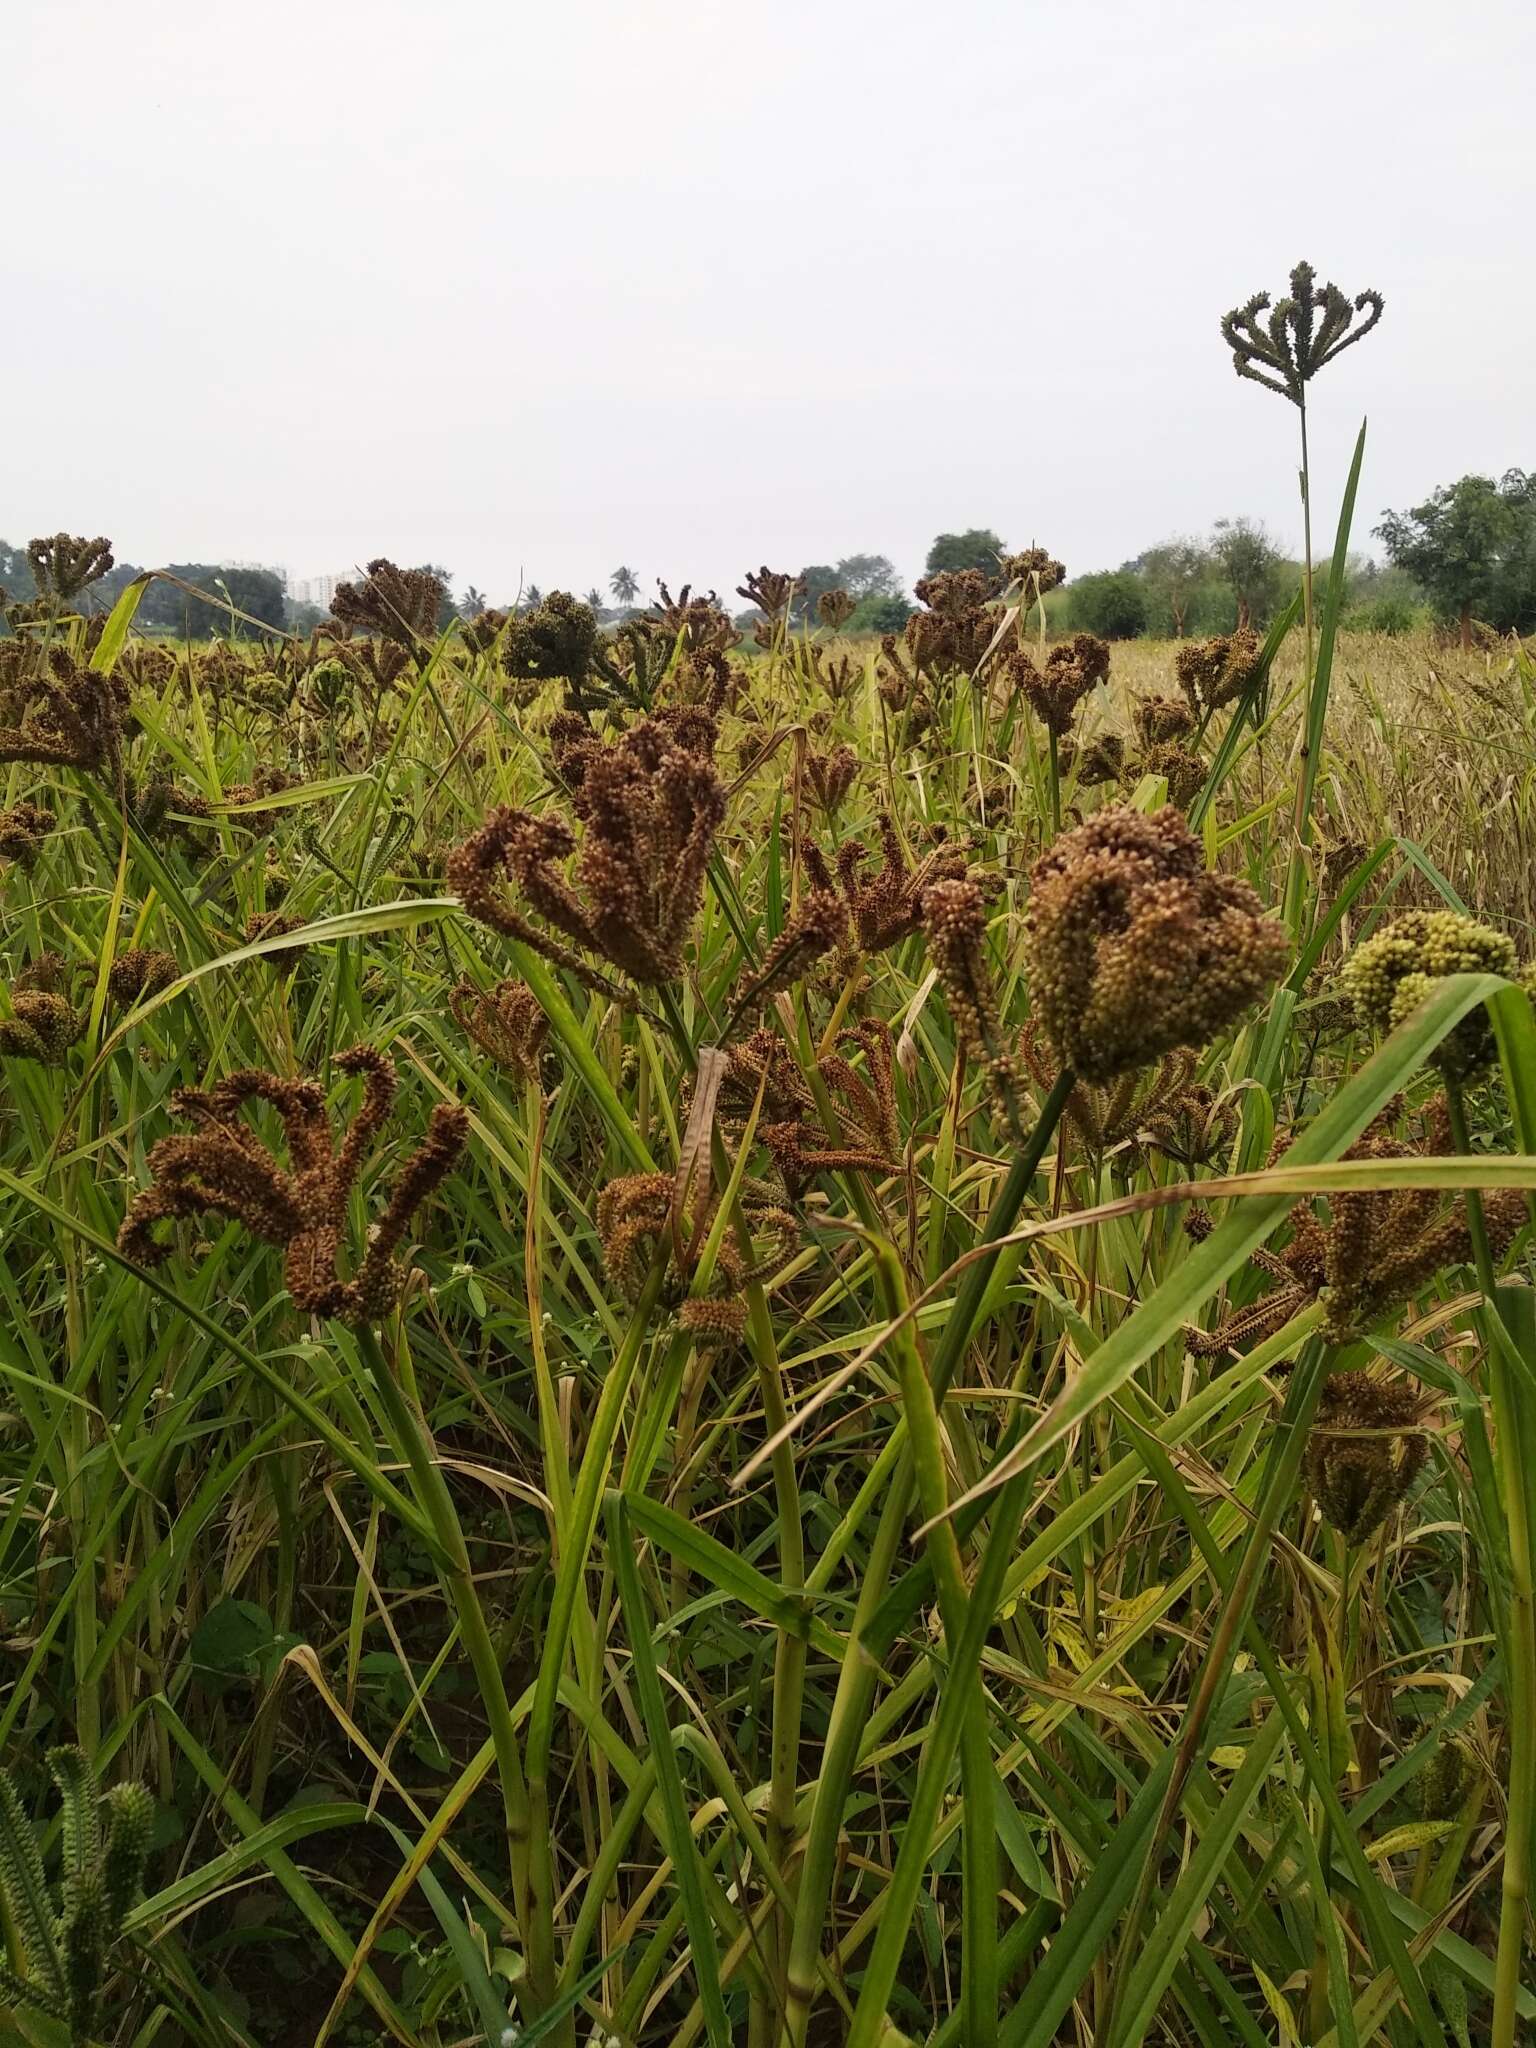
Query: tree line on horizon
point(1466, 555)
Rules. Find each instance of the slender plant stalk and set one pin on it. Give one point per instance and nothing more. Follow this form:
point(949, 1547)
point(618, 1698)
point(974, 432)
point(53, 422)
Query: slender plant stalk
point(1514, 1442)
point(458, 1581)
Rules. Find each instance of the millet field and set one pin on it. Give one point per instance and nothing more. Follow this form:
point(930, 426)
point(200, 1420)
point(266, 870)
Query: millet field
point(768, 1337)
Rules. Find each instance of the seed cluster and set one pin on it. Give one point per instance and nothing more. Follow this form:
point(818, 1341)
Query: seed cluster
point(1134, 949)
point(1072, 668)
point(44, 1023)
point(1305, 330)
point(1378, 1249)
point(399, 605)
point(1364, 1450)
point(1387, 977)
point(651, 807)
point(1213, 672)
point(225, 1170)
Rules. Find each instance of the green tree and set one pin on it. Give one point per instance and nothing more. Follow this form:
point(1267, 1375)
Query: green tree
point(1251, 564)
point(16, 578)
point(625, 585)
point(1112, 604)
point(1172, 573)
point(1472, 546)
point(877, 613)
point(977, 548)
point(868, 576)
point(473, 602)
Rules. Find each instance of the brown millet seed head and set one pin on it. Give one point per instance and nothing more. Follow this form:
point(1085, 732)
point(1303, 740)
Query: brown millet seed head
point(1072, 669)
point(1034, 566)
point(835, 608)
point(64, 563)
point(23, 829)
point(225, 1170)
point(1357, 1479)
point(1212, 672)
point(1135, 950)
point(141, 971)
point(769, 589)
point(1183, 772)
point(1157, 720)
point(831, 776)
point(507, 1022)
point(398, 604)
point(955, 920)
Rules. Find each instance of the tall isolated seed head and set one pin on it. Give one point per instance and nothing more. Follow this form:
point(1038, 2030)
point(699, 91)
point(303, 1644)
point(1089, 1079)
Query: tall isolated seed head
point(1134, 950)
point(397, 604)
point(64, 563)
point(1304, 330)
point(1036, 567)
point(1388, 976)
point(769, 589)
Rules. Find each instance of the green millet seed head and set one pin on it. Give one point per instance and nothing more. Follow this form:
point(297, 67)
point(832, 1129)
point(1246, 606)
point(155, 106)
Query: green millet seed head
point(1440, 1790)
point(1388, 976)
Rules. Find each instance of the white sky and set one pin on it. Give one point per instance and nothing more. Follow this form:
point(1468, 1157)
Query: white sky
point(537, 289)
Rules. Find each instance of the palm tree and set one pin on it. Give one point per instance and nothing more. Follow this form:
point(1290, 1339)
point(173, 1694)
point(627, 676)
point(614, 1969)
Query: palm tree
point(624, 584)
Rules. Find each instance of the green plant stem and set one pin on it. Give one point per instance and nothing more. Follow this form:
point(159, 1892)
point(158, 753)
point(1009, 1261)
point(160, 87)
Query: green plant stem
point(527, 1860)
point(1514, 1440)
point(591, 1480)
point(860, 1669)
point(1306, 527)
point(1278, 1489)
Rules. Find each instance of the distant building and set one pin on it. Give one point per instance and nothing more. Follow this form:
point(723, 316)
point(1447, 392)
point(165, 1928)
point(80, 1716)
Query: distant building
point(316, 590)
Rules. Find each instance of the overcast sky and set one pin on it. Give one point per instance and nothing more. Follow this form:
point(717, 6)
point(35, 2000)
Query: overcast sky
point(535, 290)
